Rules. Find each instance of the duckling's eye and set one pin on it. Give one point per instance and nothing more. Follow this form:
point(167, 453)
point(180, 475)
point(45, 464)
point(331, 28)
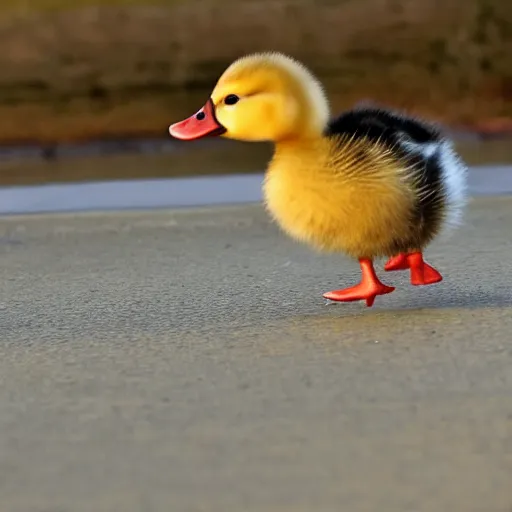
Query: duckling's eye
point(231, 99)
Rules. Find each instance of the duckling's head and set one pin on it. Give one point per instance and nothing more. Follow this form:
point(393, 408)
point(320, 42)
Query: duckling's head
point(260, 97)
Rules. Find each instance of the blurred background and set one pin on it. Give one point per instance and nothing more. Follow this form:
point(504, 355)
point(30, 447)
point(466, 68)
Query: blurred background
point(89, 87)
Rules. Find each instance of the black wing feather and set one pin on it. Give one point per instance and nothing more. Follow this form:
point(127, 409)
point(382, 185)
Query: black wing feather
point(385, 125)
point(393, 129)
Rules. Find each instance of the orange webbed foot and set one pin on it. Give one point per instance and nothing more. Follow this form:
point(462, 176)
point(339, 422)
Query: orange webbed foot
point(398, 262)
point(369, 287)
point(421, 272)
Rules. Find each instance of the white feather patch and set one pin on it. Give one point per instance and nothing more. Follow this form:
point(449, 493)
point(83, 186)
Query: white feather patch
point(455, 173)
point(426, 150)
point(454, 176)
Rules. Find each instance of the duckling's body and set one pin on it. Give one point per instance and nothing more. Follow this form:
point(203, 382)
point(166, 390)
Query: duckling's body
point(369, 183)
point(375, 184)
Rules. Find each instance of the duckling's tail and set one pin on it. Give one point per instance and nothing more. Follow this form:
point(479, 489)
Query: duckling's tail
point(454, 177)
point(444, 166)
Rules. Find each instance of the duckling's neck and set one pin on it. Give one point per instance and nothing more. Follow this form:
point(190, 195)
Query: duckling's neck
point(299, 146)
point(299, 159)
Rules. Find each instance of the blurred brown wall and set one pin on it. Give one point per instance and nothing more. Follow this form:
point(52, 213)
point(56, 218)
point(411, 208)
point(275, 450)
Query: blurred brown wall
point(110, 70)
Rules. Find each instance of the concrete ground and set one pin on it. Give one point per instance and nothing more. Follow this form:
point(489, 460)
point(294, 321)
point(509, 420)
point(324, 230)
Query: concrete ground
point(185, 361)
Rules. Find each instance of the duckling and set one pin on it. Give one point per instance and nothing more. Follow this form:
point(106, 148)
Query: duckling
point(370, 183)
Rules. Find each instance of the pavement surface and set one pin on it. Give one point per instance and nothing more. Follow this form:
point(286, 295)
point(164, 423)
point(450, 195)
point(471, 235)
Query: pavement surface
point(185, 361)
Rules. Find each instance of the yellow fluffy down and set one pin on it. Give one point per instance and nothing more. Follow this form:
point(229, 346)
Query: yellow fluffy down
point(348, 196)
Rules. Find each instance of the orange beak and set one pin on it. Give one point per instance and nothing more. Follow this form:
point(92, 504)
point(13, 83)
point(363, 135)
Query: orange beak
point(201, 124)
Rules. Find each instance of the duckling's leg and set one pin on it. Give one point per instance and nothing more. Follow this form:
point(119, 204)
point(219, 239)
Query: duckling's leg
point(367, 289)
point(421, 272)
